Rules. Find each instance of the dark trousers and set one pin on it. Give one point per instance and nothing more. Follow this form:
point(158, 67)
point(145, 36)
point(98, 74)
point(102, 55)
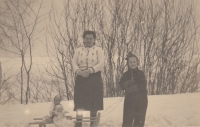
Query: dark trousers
point(134, 113)
point(134, 118)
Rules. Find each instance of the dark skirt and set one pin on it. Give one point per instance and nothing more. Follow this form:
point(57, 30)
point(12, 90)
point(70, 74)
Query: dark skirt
point(88, 93)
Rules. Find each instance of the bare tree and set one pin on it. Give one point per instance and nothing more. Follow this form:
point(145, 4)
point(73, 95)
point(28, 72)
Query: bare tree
point(18, 29)
point(169, 33)
point(43, 87)
point(0, 73)
point(163, 36)
point(6, 92)
point(161, 33)
point(61, 52)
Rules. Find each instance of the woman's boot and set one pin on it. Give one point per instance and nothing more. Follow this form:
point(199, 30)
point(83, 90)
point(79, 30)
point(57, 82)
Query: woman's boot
point(92, 114)
point(79, 116)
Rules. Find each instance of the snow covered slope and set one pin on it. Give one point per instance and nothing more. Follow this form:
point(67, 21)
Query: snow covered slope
point(180, 110)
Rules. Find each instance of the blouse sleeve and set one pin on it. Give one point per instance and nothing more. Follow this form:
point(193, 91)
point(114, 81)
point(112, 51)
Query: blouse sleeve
point(75, 61)
point(100, 64)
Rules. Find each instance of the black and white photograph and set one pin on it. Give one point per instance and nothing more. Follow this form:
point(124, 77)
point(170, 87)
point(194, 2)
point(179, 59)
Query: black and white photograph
point(99, 63)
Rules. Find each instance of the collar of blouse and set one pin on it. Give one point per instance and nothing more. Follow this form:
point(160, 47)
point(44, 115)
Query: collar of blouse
point(89, 47)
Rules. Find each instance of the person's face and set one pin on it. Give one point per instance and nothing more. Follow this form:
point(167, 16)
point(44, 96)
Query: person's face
point(58, 108)
point(132, 62)
point(89, 40)
point(57, 100)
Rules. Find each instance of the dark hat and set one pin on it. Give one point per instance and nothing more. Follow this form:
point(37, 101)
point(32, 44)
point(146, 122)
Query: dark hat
point(130, 54)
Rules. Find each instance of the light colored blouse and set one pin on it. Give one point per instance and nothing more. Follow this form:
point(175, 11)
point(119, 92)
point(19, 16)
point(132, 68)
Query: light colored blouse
point(88, 58)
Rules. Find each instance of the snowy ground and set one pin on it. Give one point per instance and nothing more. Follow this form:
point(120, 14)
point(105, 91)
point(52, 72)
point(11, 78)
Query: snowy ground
point(180, 110)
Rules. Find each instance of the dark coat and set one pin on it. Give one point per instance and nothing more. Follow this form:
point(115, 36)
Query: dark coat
point(135, 103)
point(138, 77)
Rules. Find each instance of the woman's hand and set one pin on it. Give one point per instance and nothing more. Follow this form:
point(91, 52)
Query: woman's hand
point(84, 73)
point(88, 71)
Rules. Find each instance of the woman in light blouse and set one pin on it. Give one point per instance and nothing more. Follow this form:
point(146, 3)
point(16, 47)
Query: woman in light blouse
point(87, 64)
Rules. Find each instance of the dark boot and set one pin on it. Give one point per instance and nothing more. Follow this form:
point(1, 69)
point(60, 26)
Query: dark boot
point(92, 114)
point(140, 118)
point(78, 125)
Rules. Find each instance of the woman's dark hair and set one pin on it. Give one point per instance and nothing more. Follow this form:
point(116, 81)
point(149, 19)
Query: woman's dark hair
point(89, 32)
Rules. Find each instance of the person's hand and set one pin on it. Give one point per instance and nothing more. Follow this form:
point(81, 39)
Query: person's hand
point(83, 73)
point(88, 71)
point(129, 83)
point(133, 88)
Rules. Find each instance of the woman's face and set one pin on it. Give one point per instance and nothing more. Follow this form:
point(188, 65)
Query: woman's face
point(89, 40)
point(132, 62)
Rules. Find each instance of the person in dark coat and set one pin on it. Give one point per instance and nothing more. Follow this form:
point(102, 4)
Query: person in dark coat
point(87, 64)
point(135, 104)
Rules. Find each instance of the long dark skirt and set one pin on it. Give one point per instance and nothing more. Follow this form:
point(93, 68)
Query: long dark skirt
point(88, 93)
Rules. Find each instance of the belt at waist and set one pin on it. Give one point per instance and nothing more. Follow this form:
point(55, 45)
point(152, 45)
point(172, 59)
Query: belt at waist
point(84, 67)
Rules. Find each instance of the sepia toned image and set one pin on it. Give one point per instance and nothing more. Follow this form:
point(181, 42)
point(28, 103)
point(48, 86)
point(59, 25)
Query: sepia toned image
point(99, 63)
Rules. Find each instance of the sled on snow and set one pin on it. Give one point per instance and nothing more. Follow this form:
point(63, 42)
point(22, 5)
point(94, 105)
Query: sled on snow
point(96, 120)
